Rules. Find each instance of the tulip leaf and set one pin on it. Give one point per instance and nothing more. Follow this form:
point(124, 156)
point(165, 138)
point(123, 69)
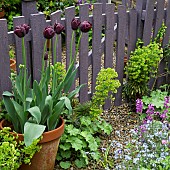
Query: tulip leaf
point(8, 94)
point(32, 131)
point(67, 103)
point(37, 92)
point(19, 87)
point(68, 82)
point(47, 110)
point(20, 112)
point(74, 92)
point(11, 112)
point(52, 121)
point(35, 112)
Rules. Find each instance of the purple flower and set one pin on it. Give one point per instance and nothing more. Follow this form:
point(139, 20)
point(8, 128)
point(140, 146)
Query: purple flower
point(166, 102)
point(163, 115)
point(139, 106)
point(21, 30)
point(26, 28)
point(150, 109)
point(143, 128)
point(85, 26)
point(46, 56)
point(49, 32)
point(58, 28)
point(149, 118)
point(75, 24)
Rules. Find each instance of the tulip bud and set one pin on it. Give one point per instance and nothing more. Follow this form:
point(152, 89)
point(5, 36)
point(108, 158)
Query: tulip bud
point(49, 32)
point(27, 27)
point(19, 31)
point(46, 56)
point(75, 24)
point(58, 28)
point(85, 26)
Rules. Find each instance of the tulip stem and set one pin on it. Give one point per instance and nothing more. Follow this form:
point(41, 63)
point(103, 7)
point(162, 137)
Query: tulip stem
point(71, 46)
point(43, 62)
point(55, 49)
point(49, 52)
point(77, 47)
point(25, 71)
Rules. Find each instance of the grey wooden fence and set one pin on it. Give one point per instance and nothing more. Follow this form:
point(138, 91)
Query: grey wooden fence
point(121, 30)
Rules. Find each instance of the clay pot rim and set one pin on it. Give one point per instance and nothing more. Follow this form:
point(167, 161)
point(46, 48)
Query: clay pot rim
point(47, 136)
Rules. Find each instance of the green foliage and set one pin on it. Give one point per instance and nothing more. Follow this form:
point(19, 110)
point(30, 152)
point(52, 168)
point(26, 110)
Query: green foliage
point(156, 98)
point(80, 142)
point(14, 153)
point(105, 82)
point(105, 161)
point(142, 65)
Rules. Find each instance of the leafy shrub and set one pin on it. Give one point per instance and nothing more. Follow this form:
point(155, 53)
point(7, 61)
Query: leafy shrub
point(143, 65)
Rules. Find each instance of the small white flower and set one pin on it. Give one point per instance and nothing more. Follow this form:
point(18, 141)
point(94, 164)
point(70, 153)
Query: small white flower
point(135, 160)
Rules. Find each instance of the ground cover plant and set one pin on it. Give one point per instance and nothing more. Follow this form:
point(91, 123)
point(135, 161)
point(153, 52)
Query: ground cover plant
point(148, 146)
point(81, 141)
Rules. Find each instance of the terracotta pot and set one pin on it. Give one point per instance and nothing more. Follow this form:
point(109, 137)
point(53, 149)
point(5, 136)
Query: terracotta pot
point(2, 13)
point(13, 64)
point(45, 159)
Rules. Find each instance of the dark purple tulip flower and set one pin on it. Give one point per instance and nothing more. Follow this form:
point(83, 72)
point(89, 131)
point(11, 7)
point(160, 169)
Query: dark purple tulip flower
point(75, 24)
point(27, 27)
point(49, 32)
point(21, 30)
point(58, 28)
point(85, 26)
point(46, 56)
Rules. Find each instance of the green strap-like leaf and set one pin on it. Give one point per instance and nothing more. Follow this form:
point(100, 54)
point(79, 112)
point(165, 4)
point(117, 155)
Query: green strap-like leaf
point(74, 92)
point(35, 112)
point(11, 112)
point(37, 92)
point(67, 103)
point(68, 82)
point(47, 109)
point(8, 94)
point(20, 112)
point(32, 131)
point(54, 118)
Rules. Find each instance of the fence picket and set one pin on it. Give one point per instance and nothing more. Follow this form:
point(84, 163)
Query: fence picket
point(69, 15)
point(38, 23)
point(159, 16)
point(96, 43)
point(109, 39)
point(56, 17)
point(149, 15)
point(5, 83)
point(83, 55)
point(132, 31)
point(167, 35)
point(121, 34)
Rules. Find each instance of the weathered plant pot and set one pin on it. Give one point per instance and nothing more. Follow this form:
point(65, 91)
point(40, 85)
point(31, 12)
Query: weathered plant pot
point(45, 159)
point(13, 64)
point(2, 13)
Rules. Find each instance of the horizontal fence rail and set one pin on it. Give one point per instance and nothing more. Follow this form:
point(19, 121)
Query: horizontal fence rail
point(114, 36)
